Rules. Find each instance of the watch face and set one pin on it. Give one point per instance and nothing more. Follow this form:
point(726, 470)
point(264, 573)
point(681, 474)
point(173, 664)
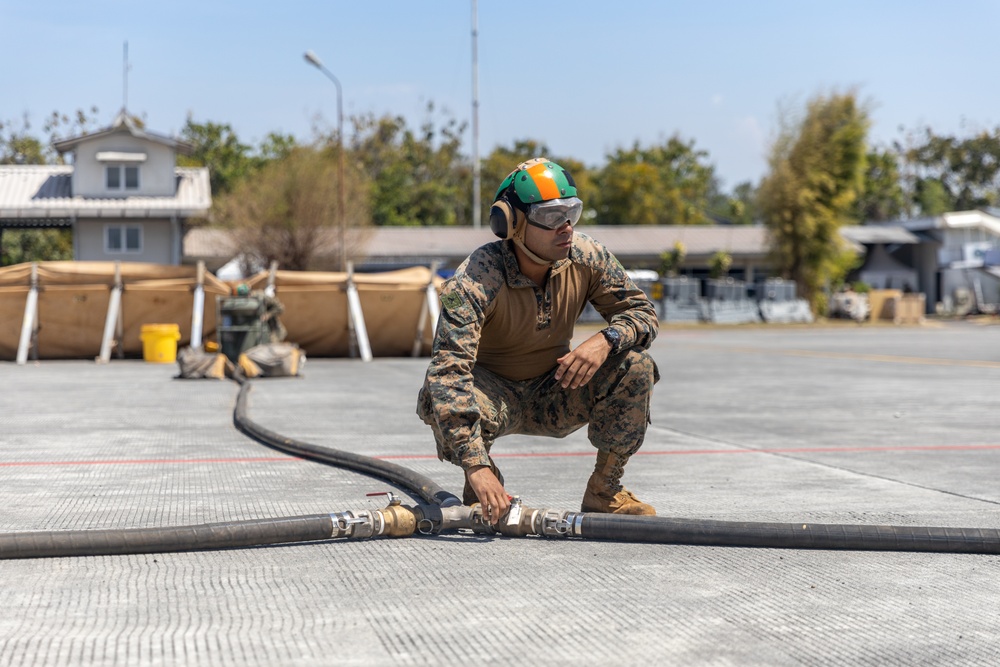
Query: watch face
point(613, 337)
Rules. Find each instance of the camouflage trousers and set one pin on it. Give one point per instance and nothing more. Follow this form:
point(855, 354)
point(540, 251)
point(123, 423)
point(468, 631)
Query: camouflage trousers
point(614, 405)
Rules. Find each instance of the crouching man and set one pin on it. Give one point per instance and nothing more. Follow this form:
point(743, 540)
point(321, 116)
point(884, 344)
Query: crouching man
point(502, 364)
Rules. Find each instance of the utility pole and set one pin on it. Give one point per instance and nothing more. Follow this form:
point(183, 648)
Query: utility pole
point(476, 174)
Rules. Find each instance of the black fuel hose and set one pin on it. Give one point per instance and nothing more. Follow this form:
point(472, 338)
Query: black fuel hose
point(255, 532)
point(662, 530)
point(659, 530)
point(424, 487)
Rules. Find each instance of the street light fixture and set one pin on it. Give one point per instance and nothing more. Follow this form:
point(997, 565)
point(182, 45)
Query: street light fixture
point(314, 60)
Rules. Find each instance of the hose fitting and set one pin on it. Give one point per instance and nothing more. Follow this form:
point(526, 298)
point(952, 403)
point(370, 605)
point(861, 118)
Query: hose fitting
point(397, 520)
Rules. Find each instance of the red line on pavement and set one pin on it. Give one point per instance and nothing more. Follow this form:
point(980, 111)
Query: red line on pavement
point(119, 462)
point(527, 455)
point(690, 452)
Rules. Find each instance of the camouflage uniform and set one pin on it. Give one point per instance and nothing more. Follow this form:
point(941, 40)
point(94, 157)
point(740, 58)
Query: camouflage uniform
point(482, 384)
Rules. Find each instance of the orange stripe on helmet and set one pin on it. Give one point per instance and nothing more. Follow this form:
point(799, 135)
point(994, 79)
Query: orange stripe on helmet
point(544, 182)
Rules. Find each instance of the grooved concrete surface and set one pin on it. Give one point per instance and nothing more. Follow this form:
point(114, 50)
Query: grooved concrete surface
point(839, 424)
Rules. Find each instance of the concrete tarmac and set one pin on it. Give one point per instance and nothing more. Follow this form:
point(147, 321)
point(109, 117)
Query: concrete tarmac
point(836, 424)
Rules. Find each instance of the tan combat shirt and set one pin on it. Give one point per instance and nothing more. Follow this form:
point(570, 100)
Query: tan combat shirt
point(494, 316)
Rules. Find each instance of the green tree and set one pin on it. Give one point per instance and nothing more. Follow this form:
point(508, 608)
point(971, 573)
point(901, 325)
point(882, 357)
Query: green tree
point(61, 125)
point(288, 211)
point(35, 245)
point(882, 196)
point(672, 260)
point(276, 147)
point(504, 159)
point(932, 198)
point(217, 147)
point(667, 184)
point(718, 265)
point(19, 146)
point(951, 173)
point(743, 206)
point(817, 169)
point(417, 177)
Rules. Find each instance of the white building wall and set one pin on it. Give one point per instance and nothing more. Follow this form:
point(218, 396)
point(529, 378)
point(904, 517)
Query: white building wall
point(156, 241)
point(156, 173)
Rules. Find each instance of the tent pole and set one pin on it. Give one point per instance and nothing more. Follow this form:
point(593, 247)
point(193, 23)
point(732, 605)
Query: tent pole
point(30, 317)
point(111, 319)
point(356, 318)
point(429, 307)
point(198, 308)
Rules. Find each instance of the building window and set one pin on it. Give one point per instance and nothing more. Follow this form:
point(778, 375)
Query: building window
point(121, 177)
point(122, 239)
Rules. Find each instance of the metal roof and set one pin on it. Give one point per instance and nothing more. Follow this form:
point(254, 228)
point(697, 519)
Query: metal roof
point(423, 244)
point(123, 123)
point(985, 218)
point(878, 234)
point(44, 192)
point(698, 240)
point(625, 240)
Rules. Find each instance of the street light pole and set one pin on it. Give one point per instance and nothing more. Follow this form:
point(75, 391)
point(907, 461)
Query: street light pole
point(314, 60)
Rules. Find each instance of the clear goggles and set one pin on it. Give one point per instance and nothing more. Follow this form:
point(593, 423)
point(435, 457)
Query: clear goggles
point(554, 213)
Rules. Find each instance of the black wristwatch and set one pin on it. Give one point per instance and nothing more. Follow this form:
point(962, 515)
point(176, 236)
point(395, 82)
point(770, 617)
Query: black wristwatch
point(614, 338)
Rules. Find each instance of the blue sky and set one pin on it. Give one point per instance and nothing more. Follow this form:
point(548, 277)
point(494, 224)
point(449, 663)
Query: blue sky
point(584, 77)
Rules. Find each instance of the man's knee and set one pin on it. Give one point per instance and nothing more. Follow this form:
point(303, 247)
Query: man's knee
point(634, 372)
point(619, 419)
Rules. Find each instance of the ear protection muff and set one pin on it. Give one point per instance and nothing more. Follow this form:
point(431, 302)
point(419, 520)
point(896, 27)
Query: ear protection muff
point(502, 218)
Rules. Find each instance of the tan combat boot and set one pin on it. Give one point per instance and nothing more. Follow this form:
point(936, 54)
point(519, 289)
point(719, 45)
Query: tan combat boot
point(469, 496)
point(605, 493)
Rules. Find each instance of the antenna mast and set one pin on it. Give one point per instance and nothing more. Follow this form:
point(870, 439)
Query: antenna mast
point(125, 77)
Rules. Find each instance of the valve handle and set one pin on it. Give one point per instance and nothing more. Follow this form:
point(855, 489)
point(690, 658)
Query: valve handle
point(514, 513)
point(392, 496)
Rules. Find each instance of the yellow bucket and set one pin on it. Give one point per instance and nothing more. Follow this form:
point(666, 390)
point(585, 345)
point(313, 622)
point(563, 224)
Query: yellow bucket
point(159, 342)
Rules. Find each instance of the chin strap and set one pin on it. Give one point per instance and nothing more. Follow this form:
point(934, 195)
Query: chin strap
point(518, 239)
point(532, 256)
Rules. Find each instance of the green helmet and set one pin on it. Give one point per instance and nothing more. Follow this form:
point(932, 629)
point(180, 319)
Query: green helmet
point(536, 180)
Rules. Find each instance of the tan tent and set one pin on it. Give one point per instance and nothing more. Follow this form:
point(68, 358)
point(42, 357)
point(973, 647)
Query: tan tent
point(316, 309)
point(73, 299)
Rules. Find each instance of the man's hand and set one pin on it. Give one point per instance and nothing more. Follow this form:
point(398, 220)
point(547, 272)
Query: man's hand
point(492, 496)
point(578, 367)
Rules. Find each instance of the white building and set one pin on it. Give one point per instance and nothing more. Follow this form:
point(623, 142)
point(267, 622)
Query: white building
point(123, 195)
point(957, 257)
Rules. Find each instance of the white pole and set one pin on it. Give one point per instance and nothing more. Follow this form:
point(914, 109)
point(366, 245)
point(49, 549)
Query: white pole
point(357, 317)
point(111, 319)
point(272, 278)
point(198, 308)
point(418, 342)
point(430, 307)
point(109, 324)
point(30, 315)
point(476, 169)
point(433, 304)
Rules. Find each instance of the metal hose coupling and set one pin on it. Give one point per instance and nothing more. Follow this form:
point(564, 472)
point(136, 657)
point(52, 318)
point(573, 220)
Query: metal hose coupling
point(398, 520)
point(436, 519)
point(394, 520)
point(519, 521)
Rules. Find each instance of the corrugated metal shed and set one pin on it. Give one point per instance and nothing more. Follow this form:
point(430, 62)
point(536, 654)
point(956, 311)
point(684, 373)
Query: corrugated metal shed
point(42, 192)
point(450, 245)
point(622, 240)
point(743, 241)
point(869, 234)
